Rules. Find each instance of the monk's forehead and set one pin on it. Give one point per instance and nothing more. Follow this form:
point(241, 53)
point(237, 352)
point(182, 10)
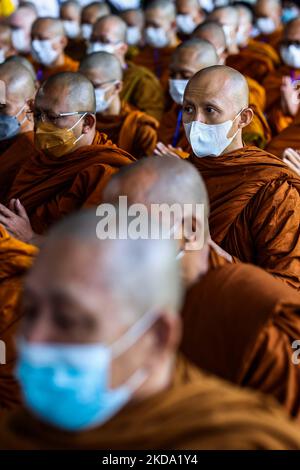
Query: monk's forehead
point(136, 185)
point(293, 30)
point(218, 86)
point(50, 26)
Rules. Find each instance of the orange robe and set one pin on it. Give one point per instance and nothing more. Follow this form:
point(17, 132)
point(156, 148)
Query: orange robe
point(240, 323)
point(289, 137)
point(43, 72)
point(272, 39)
point(277, 118)
point(157, 60)
point(195, 412)
point(255, 206)
point(256, 60)
point(132, 130)
point(142, 90)
point(16, 258)
point(50, 187)
point(11, 160)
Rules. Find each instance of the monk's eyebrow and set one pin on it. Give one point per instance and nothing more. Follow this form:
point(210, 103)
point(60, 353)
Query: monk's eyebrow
point(213, 104)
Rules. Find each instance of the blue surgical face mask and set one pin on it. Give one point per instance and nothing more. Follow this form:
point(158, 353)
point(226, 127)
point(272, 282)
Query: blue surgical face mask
point(68, 386)
point(289, 13)
point(10, 126)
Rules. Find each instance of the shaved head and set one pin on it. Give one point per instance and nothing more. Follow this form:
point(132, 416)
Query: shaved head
point(225, 83)
point(133, 17)
point(212, 32)
point(24, 62)
point(107, 64)
point(92, 12)
point(166, 8)
point(110, 268)
point(245, 13)
point(52, 25)
point(18, 80)
point(113, 25)
point(71, 90)
point(156, 180)
point(203, 52)
point(225, 15)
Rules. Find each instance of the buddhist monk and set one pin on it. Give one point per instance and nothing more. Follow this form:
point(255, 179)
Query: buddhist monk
point(255, 59)
point(21, 22)
point(268, 21)
point(16, 258)
point(141, 88)
point(131, 129)
point(48, 44)
point(71, 161)
point(154, 399)
point(252, 310)
point(254, 197)
point(258, 131)
point(228, 18)
point(282, 92)
point(16, 130)
point(135, 20)
point(70, 14)
point(187, 59)
point(89, 15)
point(160, 37)
point(189, 15)
point(6, 45)
point(288, 138)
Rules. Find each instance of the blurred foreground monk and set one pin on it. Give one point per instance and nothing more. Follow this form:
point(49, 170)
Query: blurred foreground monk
point(71, 162)
point(19, 90)
point(16, 258)
point(187, 59)
point(140, 86)
point(6, 45)
point(160, 38)
point(140, 395)
point(268, 21)
point(255, 200)
point(254, 58)
point(282, 92)
point(288, 138)
point(252, 310)
point(258, 131)
point(48, 44)
point(131, 129)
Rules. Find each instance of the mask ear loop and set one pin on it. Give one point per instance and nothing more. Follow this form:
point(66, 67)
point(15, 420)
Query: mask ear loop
point(71, 128)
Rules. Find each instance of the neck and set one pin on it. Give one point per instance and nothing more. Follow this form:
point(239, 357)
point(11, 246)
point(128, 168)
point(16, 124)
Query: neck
point(173, 40)
point(27, 126)
point(195, 264)
point(121, 58)
point(233, 49)
point(58, 62)
point(114, 108)
point(236, 144)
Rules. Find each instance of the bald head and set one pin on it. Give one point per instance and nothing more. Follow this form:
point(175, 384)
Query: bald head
point(92, 12)
point(106, 271)
point(133, 17)
point(24, 62)
point(269, 9)
point(156, 180)
point(164, 8)
point(18, 80)
point(192, 56)
point(71, 91)
point(110, 26)
point(5, 40)
point(52, 26)
point(101, 67)
point(225, 15)
point(212, 32)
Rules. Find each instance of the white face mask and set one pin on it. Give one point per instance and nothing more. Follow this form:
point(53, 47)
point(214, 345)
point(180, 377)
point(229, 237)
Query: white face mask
point(133, 35)
point(122, 5)
point(176, 90)
point(156, 37)
point(101, 102)
point(227, 31)
point(101, 47)
point(43, 52)
point(2, 56)
point(209, 140)
point(291, 55)
point(71, 28)
point(185, 24)
point(265, 25)
point(86, 30)
point(242, 35)
point(19, 40)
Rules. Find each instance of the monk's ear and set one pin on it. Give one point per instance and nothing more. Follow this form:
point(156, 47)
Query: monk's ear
point(89, 122)
point(246, 117)
point(192, 229)
point(63, 41)
point(119, 86)
point(167, 331)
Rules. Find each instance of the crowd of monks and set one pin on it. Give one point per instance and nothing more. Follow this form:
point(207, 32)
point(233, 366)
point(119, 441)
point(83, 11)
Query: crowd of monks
point(145, 343)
